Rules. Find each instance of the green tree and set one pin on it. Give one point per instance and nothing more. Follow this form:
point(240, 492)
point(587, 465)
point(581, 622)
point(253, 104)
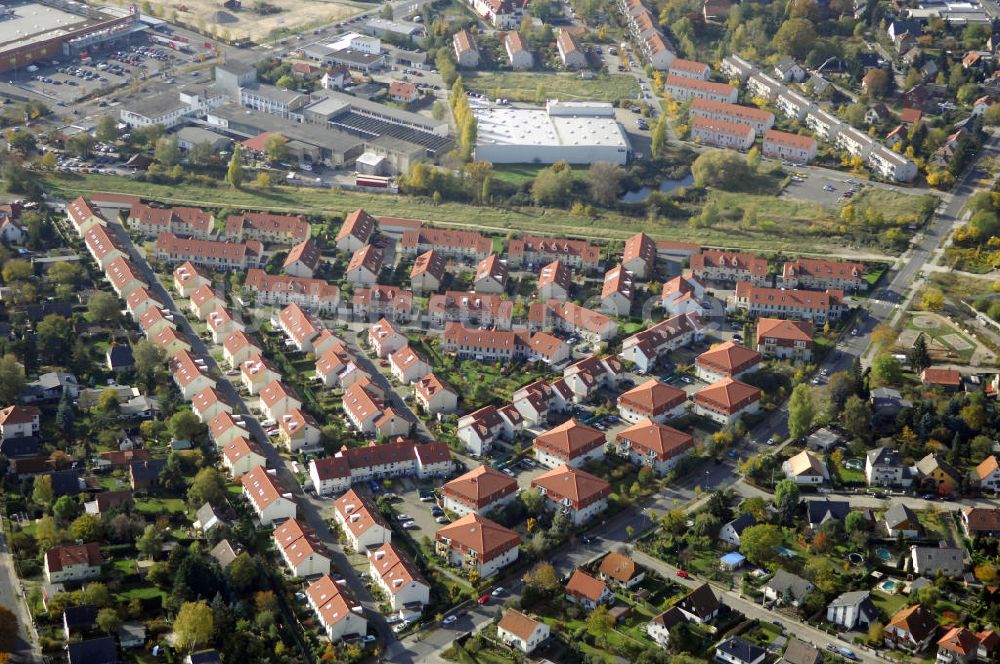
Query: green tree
point(149, 361)
point(599, 623)
point(533, 501)
point(87, 527)
point(106, 129)
point(208, 486)
point(756, 506)
point(80, 145)
point(65, 415)
point(47, 533)
point(65, 508)
point(604, 181)
point(659, 138)
point(276, 148)
point(242, 572)
point(103, 307)
point(42, 492)
point(552, 186)
point(166, 152)
point(150, 542)
point(758, 543)
point(234, 174)
point(857, 417)
point(795, 37)
point(918, 356)
point(108, 621)
point(801, 411)
point(786, 500)
point(22, 141)
point(201, 153)
point(11, 379)
point(17, 269)
point(194, 625)
point(184, 425)
point(723, 169)
point(67, 274)
point(886, 370)
point(753, 159)
point(54, 335)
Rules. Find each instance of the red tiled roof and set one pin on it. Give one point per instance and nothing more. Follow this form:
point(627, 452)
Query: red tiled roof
point(652, 398)
point(475, 533)
point(659, 440)
point(728, 358)
point(727, 396)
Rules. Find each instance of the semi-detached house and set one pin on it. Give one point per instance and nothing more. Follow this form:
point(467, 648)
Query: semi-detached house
point(361, 522)
point(726, 360)
point(727, 400)
point(301, 549)
point(356, 231)
point(338, 611)
point(653, 400)
point(570, 443)
point(395, 574)
point(480, 429)
point(785, 339)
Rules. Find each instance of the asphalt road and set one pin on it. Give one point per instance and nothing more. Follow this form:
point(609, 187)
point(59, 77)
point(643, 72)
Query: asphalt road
point(26, 649)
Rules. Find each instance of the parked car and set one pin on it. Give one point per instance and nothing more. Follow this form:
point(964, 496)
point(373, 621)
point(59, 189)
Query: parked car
point(485, 599)
point(683, 574)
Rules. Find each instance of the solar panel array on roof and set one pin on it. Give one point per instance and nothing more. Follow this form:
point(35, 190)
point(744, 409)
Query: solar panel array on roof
point(373, 128)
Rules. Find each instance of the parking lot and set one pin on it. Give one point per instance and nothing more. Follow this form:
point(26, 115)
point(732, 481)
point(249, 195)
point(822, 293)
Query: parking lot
point(65, 83)
point(820, 189)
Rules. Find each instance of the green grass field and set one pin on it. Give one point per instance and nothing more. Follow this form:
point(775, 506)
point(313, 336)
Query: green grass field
point(524, 86)
point(789, 222)
point(518, 174)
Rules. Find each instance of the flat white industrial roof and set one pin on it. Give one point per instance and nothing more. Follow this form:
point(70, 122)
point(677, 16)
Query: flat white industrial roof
point(523, 126)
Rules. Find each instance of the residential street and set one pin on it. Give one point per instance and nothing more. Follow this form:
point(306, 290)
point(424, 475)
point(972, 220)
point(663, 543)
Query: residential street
point(27, 649)
point(311, 510)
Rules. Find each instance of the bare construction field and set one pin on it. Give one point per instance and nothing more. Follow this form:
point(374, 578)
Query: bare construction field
point(248, 22)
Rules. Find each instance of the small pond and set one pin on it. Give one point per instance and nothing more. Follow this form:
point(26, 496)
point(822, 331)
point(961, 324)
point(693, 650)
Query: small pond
point(666, 186)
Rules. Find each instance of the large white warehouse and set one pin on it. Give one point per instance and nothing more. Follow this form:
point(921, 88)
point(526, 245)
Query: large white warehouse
point(576, 132)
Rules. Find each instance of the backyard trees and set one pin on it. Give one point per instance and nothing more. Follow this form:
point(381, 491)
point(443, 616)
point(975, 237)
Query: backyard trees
point(194, 625)
point(208, 486)
point(801, 411)
point(857, 417)
point(786, 500)
point(758, 543)
point(918, 356)
point(886, 370)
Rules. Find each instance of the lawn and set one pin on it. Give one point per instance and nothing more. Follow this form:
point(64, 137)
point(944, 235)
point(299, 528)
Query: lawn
point(782, 227)
point(159, 505)
point(525, 86)
point(847, 475)
point(518, 174)
point(943, 335)
point(893, 204)
point(889, 604)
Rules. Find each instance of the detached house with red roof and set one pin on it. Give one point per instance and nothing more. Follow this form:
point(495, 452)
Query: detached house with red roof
point(73, 563)
point(726, 360)
point(396, 575)
point(652, 400)
point(957, 646)
point(617, 292)
point(785, 339)
point(370, 415)
point(521, 631)
point(190, 374)
point(491, 276)
point(911, 629)
point(949, 379)
point(257, 372)
point(684, 294)
point(338, 367)
point(579, 494)
point(474, 542)
point(988, 474)
point(385, 338)
point(19, 422)
point(639, 256)
point(361, 521)
point(592, 374)
point(239, 347)
point(277, 400)
point(241, 456)
point(727, 400)
point(434, 395)
point(300, 327)
point(298, 429)
point(205, 300)
point(338, 611)
point(554, 282)
point(301, 549)
point(570, 443)
point(649, 443)
point(188, 277)
point(365, 266)
point(268, 498)
point(356, 231)
point(588, 592)
point(303, 260)
point(408, 366)
point(428, 272)
point(481, 490)
point(224, 428)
